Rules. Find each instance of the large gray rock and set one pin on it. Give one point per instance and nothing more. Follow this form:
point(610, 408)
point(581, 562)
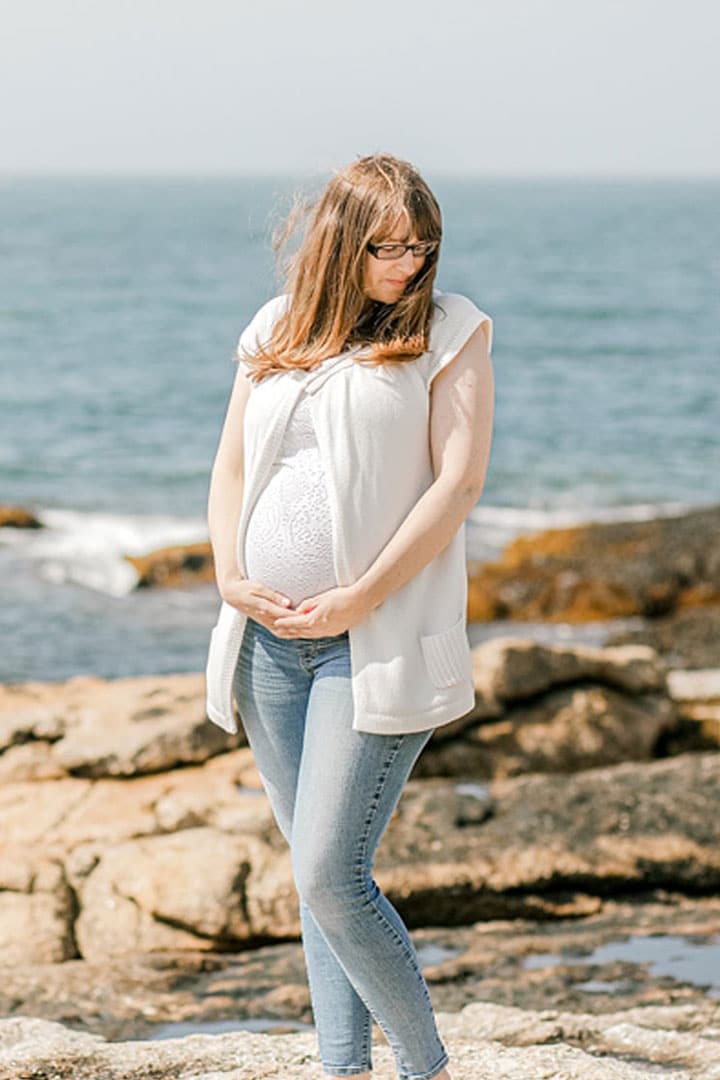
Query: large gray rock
point(513, 668)
point(554, 708)
point(560, 731)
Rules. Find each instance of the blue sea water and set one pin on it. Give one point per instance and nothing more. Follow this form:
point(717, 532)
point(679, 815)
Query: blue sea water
point(121, 301)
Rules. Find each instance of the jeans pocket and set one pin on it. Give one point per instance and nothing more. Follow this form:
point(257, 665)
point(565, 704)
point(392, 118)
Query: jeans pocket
point(447, 654)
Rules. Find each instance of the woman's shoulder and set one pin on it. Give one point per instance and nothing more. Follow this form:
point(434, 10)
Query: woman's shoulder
point(454, 316)
point(259, 328)
point(453, 307)
point(268, 312)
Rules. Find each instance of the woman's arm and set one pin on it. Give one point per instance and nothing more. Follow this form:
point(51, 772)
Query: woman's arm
point(226, 484)
point(224, 505)
point(461, 420)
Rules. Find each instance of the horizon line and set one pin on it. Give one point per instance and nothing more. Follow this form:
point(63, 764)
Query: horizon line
point(144, 174)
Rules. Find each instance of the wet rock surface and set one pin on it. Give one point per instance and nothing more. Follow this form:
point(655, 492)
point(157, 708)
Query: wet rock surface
point(603, 571)
point(523, 963)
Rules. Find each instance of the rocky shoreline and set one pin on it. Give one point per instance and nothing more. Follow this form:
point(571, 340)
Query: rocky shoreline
point(485, 1040)
point(555, 854)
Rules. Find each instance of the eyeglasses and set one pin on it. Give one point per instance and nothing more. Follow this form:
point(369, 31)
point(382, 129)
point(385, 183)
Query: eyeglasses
point(396, 251)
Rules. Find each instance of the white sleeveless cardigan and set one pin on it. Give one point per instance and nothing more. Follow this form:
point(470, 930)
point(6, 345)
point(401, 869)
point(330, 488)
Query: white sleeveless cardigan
point(411, 659)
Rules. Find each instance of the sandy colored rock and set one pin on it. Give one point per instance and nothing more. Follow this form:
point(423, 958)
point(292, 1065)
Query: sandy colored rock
point(36, 926)
point(452, 853)
point(550, 708)
point(37, 908)
point(695, 686)
point(511, 668)
point(18, 518)
point(482, 1040)
point(60, 815)
point(183, 890)
point(175, 567)
point(565, 730)
point(88, 726)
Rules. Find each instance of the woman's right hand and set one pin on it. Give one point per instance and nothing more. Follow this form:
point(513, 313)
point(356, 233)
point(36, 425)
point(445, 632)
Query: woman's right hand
point(254, 599)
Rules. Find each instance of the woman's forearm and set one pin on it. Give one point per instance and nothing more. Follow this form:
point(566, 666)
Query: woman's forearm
point(424, 533)
point(224, 505)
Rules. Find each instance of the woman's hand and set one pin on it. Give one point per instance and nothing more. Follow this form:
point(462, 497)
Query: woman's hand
point(254, 599)
point(324, 615)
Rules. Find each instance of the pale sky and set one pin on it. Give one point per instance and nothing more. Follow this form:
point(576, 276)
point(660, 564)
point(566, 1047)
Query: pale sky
point(483, 87)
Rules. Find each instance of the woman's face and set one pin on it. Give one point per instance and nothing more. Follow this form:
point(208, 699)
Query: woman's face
point(386, 279)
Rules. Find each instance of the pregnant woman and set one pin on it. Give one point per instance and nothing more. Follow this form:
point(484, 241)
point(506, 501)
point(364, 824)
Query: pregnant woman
point(355, 444)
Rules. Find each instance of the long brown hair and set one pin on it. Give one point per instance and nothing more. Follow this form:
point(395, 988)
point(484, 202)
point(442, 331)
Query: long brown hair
point(328, 311)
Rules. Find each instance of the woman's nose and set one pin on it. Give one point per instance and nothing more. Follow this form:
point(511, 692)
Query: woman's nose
point(407, 262)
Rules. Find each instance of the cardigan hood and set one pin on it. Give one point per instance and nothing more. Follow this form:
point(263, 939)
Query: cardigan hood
point(411, 659)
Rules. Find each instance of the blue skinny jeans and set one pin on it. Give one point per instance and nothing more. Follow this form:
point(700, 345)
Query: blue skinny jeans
point(332, 792)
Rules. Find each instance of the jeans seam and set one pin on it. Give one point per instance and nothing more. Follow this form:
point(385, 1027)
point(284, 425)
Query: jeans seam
point(375, 802)
point(366, 1039)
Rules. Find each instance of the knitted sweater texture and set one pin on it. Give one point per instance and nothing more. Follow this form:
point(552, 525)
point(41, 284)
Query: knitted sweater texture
point(411, 660)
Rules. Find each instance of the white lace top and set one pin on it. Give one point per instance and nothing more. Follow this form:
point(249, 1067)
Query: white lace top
point(288, 540)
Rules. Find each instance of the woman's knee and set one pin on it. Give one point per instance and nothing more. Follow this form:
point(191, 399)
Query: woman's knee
point(312, 874)
point(328, 883)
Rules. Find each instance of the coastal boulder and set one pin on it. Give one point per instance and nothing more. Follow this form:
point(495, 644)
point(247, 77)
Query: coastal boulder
point(603, 571)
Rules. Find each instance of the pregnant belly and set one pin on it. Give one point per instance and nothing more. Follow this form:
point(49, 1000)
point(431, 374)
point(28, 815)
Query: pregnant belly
point(288, 540)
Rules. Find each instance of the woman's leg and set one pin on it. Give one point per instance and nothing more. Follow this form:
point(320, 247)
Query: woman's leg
point(272, 687)
point(348, 786)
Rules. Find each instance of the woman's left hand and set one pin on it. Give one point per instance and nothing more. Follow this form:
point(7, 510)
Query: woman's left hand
point(324, 615)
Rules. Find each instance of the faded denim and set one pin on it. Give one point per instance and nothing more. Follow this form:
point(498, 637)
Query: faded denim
point(333, 791)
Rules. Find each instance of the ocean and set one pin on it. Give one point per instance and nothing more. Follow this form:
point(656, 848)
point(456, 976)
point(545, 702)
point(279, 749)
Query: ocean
point(121, 300)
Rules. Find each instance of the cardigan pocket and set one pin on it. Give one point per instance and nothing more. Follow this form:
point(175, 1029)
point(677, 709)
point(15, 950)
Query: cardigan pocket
point(447, 655)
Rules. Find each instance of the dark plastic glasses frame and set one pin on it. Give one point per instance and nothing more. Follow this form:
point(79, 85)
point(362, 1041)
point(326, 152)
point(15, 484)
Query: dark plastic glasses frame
point(380, 251)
